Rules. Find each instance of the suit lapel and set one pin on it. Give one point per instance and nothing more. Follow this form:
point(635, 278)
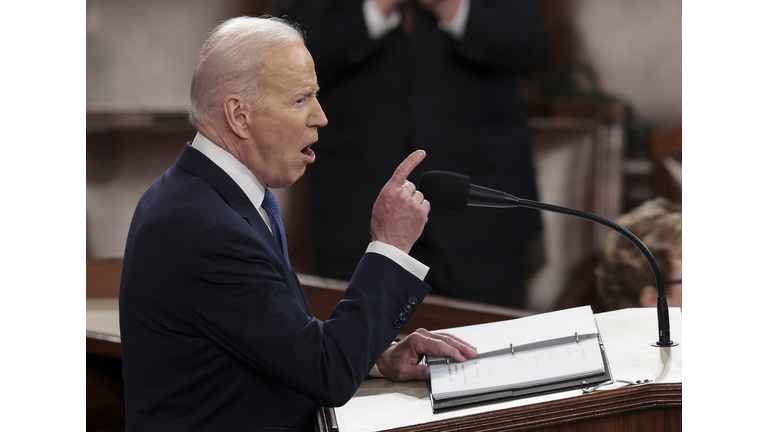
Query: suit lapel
point(200, 165)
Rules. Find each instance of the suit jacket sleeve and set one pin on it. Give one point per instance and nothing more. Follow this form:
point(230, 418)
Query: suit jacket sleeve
point(239, 297)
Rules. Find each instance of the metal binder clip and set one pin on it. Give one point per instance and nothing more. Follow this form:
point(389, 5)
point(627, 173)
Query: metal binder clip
point(577, 337)
point(512, 349)
point(587, 388)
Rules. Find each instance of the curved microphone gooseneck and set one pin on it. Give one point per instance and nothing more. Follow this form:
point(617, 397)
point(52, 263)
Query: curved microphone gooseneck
point(451, 191)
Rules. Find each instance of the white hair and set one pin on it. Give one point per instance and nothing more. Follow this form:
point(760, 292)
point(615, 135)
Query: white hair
point(230, 61)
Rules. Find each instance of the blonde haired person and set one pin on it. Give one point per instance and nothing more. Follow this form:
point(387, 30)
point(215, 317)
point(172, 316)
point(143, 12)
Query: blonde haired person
point(624, 277)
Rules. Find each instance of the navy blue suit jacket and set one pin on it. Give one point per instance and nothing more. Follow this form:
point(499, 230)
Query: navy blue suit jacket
point(217, 334)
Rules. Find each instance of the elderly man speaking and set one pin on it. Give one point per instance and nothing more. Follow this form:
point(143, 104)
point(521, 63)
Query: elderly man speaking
point(217, 334)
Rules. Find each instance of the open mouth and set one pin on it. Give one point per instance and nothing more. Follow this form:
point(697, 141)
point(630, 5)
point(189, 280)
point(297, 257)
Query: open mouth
point(308, 152)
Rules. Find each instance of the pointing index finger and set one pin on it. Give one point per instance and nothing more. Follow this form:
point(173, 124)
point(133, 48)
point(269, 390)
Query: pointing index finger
point(404, 170)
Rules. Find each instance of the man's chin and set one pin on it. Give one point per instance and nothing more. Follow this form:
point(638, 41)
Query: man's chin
point(285, 182)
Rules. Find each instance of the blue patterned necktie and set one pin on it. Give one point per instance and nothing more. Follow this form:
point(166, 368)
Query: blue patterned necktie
point(272, 208)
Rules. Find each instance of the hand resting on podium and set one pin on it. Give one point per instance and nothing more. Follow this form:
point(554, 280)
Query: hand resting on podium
point(400, 362)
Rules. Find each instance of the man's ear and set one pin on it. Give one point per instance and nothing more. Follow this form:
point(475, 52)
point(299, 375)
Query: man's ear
point(236, 113)
point(649, 296)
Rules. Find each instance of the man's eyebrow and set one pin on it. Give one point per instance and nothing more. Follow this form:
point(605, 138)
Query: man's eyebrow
point(309, 92)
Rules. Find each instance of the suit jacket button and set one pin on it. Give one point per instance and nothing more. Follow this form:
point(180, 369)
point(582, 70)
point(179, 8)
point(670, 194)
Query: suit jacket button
point(403, 316)
point(412, 300)
point(398, 324)
point(408, 308)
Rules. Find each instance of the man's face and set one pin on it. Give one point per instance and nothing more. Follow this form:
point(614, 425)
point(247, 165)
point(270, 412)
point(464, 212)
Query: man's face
point(284, 122)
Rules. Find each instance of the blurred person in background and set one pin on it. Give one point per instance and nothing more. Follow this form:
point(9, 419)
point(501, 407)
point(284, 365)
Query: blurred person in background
point(624, 277)
point(438, 75)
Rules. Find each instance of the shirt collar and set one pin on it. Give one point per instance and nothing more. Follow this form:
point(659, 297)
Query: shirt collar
point(244, 178)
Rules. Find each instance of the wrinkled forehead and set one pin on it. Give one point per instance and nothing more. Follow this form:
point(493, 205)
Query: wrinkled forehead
point(292, 56)
point(289, 66)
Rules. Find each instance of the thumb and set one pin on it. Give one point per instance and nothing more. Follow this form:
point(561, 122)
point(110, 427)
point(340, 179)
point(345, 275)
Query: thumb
point(404, 170)
point(421, 372)
point(411, 372)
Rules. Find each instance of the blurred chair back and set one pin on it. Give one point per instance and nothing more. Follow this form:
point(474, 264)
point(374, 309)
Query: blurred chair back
point(578, 151)
point(667, 152)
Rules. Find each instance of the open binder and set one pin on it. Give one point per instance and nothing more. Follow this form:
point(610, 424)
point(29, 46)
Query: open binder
point(518, 358)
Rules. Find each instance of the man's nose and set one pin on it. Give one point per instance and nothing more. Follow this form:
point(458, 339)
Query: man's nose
point(318, 116)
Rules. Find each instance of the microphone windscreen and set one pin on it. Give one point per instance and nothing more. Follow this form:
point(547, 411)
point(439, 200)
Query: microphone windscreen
point(445, 190)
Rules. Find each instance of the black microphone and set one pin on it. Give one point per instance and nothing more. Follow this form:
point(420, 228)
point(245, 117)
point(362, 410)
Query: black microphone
point(451, 191)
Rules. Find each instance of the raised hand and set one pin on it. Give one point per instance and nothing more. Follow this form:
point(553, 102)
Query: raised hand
point(400, 212)
point(388, 6)
point(445, 10)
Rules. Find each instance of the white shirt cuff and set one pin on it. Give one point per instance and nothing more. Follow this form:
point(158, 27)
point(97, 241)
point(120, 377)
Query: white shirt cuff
point(459, 23)
point(378, 24)
point(374, 373)
point(403, 259)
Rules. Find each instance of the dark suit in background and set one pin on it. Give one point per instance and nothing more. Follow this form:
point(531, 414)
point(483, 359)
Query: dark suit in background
point(456, 99)
point(217, 332)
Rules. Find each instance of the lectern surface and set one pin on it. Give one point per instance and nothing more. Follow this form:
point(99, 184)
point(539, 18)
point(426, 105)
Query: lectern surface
point(627, 334)
point(102, 317)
